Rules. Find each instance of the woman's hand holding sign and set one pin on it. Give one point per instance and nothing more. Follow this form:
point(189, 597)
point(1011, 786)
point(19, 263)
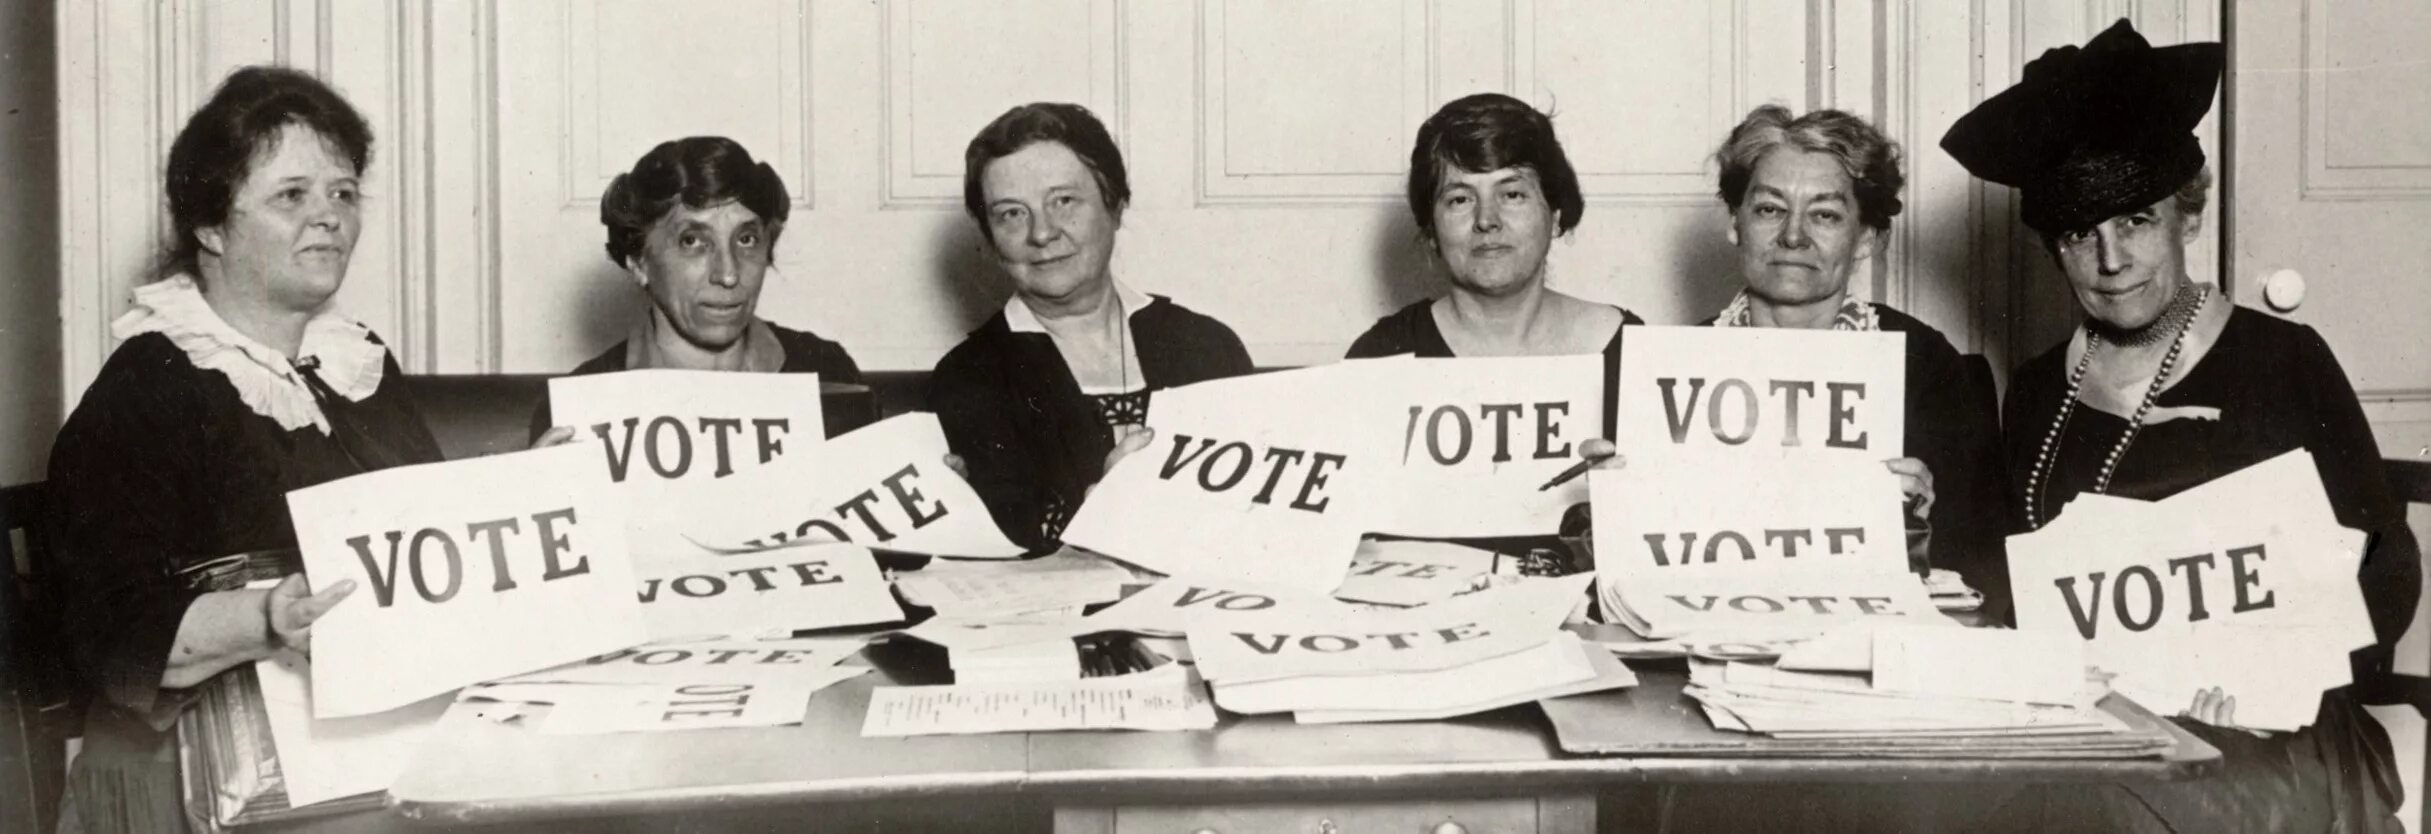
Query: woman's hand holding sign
point(291, 608)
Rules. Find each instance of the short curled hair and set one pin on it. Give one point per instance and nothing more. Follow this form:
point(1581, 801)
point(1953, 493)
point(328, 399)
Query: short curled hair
point(1870, 159)
point(1070, 125)
point(1490, 132)
point(216, 150)
point(699, 172)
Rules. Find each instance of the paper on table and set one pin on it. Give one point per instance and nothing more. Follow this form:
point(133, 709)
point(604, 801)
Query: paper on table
point(1465, 629)
point(885, 486)
point(1751, 608)
point(977, 589)
point(1721, 515)
point(1560, 659)
point(677, 662)
point(1409, 572)
point(1479, 437)
point(1761, 392)
point(1168, 697)
point(1609, 673)
point(1267, 479)
point(1177, 604)
point(330, 758)
point(692, 706)
point(1984, 663)
point(795, 587)
point(536, 553)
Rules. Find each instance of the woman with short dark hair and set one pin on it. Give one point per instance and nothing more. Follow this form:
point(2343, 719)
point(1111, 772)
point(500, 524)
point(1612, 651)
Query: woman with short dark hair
point(1038, 401)
point(695, 226)
point(1490, 188)
point(235, 385)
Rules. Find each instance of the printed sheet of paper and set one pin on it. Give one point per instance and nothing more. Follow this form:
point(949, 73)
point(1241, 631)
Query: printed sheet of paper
point(1409, 572)
point(331, 758)
point(1609, 673)
point(1760, 391)
point(781, 589)
point(1719, 516)
point(1267, 479)
point(1168, 697)
point(1759, 609)
point(673, 425)
point(885, 486)
point(666, 663)
point(1178, 604)
point(694, 706)
point(447, 559)
point(1984, 663)
point(1462, 630)
point(973, 590)
point(1479, 437)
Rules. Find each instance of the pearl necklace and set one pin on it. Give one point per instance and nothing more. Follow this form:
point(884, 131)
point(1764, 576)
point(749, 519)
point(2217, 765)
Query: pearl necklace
point(2183, 315)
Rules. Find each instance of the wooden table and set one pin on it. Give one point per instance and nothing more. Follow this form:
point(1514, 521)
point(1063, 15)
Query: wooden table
point(1496, 771)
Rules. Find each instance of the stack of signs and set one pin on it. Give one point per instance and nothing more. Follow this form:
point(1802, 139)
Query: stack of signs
point(1265, 479)
point(2181, 595)
point(1479, 651)
point(769, 592)
point(1755, 498)
point(1925, 691)
point(672, 686)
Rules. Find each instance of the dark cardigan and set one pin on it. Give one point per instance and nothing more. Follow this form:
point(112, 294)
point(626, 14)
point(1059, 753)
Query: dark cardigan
point(1032, 442)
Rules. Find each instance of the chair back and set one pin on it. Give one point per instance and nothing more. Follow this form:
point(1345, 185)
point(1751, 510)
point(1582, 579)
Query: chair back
point(38, 713)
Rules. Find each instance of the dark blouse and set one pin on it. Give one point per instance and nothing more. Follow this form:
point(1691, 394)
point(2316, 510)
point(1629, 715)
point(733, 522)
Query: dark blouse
point(1032, 442)
point(1953, 425)
point(1412, 330)
point(2277, 388)
point(805, 353)
point(160, 467)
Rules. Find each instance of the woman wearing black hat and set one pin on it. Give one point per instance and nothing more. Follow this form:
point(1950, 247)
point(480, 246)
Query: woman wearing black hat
point(2169, 385)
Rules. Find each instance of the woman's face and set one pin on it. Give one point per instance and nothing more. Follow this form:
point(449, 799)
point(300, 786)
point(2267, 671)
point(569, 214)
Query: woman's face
point(703, 267)
point(1797, 230)
point(1048, 221)
point(2125, 269)
point(291, 224)
point(1492, 229)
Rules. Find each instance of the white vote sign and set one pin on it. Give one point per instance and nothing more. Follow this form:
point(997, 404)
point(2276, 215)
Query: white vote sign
point(1265, 479)
point(1726, 515)
point(673, 425)
point(1479, 438)
point(1753, 390)
point(1462, 630)
point(789, 588)
point(464, 571)
point(885, 485)
point(1176, 604)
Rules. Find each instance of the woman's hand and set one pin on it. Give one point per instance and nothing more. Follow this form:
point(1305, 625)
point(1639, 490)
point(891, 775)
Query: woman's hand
point(292, 608)
point(1602, 453)
point(1127, 439)
point(961, 470)
point(2219, 710)
point(1915, 482)
point(555, 436)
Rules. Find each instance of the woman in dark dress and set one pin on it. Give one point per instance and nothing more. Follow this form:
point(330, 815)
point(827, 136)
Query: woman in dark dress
point(1490, 188)
point(695, 225)
point(1040, 400)
point(234, 384)
point(2169, 385)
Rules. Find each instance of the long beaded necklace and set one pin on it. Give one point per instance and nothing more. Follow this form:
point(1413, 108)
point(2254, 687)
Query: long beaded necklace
point(2181, 316)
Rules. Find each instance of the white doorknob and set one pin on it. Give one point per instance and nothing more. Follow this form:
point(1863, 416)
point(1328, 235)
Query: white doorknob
point(2283, 290)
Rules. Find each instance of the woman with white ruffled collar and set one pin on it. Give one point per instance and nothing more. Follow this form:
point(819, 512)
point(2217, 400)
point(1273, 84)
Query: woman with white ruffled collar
point(234, 384)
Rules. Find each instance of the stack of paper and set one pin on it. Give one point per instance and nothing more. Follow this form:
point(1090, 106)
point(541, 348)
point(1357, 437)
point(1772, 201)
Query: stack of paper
point(1740, 609)
point(1032, 662)
point(1898, 685)
point(2181, 595)
point(1950, 591)
point(1475, 652)
point(983, 591)
point(1404, 572)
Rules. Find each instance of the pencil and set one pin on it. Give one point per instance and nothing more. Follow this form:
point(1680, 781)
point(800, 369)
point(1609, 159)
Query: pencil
point(1568, 475)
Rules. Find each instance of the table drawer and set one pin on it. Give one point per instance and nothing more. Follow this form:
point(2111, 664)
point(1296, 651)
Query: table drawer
point(1516, 815)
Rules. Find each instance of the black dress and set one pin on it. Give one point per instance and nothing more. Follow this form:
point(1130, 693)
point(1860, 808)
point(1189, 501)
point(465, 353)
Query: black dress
point(805, 353)
point(162, 466)
point(1033, 442)
point(2276, 387)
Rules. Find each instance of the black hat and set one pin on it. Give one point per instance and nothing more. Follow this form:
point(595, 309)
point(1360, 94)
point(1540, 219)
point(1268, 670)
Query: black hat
point(2093, 133)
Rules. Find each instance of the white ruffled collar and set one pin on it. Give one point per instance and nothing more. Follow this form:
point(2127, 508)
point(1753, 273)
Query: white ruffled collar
point(351, 361)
